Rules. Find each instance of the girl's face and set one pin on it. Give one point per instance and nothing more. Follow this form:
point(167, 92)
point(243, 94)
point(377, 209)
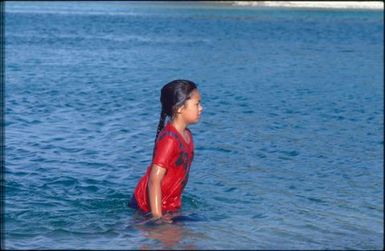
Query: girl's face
point(192, 109)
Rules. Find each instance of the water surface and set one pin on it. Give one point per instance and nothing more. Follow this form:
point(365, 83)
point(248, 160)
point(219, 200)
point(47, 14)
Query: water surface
point(289, 150)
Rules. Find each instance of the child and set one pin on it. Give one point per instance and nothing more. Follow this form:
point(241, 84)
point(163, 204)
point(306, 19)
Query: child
point(160, 190)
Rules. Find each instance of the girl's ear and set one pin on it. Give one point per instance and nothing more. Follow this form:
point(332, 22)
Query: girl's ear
point(180, 109)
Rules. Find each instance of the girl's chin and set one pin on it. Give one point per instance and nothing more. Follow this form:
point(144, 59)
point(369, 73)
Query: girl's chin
point(195, 121)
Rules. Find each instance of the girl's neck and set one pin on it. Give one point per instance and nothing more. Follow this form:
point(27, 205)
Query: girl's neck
point(179, 125)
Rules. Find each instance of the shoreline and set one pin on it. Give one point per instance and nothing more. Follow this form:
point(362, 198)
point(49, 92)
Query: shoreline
point(359, 5)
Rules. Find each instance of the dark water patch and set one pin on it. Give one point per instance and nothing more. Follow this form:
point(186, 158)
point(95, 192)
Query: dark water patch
point(291, 153)
point(230, 189)
point(65, 181)
point(259, 216)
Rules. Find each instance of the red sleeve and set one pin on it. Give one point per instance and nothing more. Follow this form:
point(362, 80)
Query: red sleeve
point(164, 152)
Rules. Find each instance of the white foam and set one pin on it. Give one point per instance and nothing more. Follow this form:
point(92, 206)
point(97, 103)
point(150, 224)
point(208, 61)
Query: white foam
point(314, 4)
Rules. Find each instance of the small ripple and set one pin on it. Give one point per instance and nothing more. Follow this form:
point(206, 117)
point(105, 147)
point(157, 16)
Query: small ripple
point(317, 200)
point(88, 188)
point(290, 153)
point(259, 216)
point(215, 149)
point(230, 189)
point(89, 233)
point(66, 181)
point(261, 155)
point(223, 199)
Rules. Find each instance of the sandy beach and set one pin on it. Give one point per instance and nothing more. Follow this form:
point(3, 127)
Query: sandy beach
point(375, 5)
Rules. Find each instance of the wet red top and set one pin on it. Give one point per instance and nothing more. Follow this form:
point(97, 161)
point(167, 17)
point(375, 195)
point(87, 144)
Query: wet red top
point(173, 153)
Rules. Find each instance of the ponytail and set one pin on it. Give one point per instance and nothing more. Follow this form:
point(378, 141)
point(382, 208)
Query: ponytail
point(162, 119)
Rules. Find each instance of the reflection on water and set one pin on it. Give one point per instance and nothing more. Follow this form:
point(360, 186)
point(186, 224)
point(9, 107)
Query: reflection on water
point(169, 235)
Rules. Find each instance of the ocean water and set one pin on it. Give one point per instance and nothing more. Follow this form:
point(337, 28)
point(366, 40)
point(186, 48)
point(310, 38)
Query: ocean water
point(289, 150)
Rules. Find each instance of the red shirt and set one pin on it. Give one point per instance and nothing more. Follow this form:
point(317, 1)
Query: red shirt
point(171, 152)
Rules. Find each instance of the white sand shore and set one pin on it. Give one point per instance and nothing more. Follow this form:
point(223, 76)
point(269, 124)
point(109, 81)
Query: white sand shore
point(314, 4)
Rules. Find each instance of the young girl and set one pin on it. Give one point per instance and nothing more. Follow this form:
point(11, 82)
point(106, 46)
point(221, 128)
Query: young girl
point(159, 191)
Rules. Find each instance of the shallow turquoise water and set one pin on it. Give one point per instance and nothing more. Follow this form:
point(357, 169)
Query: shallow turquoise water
point(289, 151)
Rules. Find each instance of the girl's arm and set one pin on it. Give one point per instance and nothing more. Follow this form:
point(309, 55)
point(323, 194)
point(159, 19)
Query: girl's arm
point(154, 190)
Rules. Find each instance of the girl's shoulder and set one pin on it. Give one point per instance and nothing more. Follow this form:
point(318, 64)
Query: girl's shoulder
point(168, 133)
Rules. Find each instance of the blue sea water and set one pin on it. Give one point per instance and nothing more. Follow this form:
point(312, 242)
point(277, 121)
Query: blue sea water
point(289, 150)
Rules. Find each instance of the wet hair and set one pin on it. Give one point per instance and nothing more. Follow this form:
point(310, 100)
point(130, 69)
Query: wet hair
point(172, 96)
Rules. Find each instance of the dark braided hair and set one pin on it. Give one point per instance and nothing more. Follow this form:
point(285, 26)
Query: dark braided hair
point(172, 96)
